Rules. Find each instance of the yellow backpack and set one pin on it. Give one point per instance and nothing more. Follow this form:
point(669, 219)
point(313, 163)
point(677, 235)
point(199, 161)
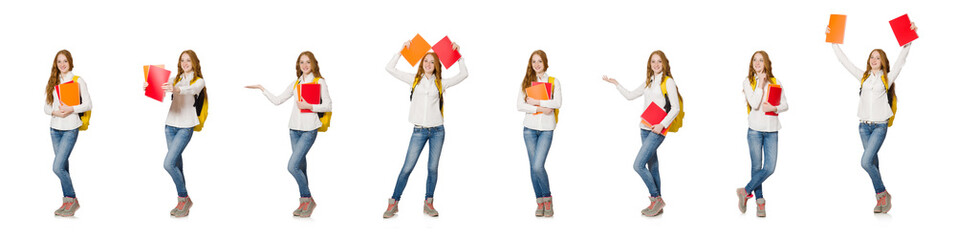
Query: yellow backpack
point(679, 120)
point(201, 104)
point(441, 98)
point(324, 117)
point(551, 81)
point(753, 86)
point(890, 96)
point(84, 116)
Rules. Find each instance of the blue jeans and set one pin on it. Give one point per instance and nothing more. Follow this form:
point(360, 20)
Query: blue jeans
point(63, 142)
point(872, 136)
point(765, 143)
point(301, 143)
point(176, 140)
point(436, 137)
point(646, 163)
point(538, 144)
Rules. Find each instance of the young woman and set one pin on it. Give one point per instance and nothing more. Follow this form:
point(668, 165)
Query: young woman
point(425, 112)
point(874, 110)
point(539, 122)
point(180, 122)
point(64, 126)
point(646, 164)
point(762, 132)
point(303, 127)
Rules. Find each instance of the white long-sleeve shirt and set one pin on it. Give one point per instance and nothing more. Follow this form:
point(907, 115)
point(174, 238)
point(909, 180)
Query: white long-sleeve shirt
point(182, 113)
point(874, 104)
point(299, 120)
point(758, 120)
point(424, 109)
point(540, 122)
point(71, 121)
point(654, 94)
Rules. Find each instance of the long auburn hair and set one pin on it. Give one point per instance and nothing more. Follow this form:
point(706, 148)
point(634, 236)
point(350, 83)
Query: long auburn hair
point(884, 63)
point(766, 67)
point(437, 71)
point(195, 62)
point(55, 74)
point(529, 75)
point(315, 65)
point(665, 68)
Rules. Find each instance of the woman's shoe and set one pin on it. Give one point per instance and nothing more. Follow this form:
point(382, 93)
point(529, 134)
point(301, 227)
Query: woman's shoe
point(392, 208)
point(429, 208)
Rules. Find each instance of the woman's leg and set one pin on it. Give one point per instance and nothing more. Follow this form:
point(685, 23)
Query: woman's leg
point(176, 140)
point(436, 139)
point(530, 142)
point(63, 142)
point(415, 146)
point(649, 143)
point(542, 148)
point(301, 143)
point(872, 136)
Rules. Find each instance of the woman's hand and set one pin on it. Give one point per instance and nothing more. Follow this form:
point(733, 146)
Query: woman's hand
point(145, 84)
point(762, 79)
point(59, 114)
point(532, 101)
point(168, 87)
point(257, 86)
point(66, 109)
point(454, 46)
point(912, 27)
point(610, 80)
point(545, 110)
point(767, 107)
point(303, 105)
point(657, 128)
point(406, 45)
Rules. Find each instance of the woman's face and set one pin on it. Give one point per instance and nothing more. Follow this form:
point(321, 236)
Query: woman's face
point(537, 64)
point(305, 64)
point(657, 65)
point(186, 63)
point(876, 61)
point(428, 64)
point(758, 63)
point(62, 63)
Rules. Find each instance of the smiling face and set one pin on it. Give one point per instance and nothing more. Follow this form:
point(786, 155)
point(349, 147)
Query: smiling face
point(428, 64)
point(758, 63)
point(186, 63)
point(876, 62)
point(537, 64)
point(305, 64)
point(63, 64)
point(657, 65)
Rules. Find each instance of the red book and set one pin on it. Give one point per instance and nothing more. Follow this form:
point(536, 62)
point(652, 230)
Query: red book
point(310, 93)
point(901, 28)
point(446, 53)
point(156, 76)
point(546, 86)
point(773, 97)
point(653, 115)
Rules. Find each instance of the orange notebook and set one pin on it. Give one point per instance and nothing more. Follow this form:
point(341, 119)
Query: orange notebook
point(538, 92)
point(416, 50)
point(69, 93)
point(837, 28)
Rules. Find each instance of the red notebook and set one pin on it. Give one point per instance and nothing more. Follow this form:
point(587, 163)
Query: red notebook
point(446, 53)
point(310, 93)
point(773, 97)
point(69, 93)
point(653, 115)
point(901, 28)
point(156, 76)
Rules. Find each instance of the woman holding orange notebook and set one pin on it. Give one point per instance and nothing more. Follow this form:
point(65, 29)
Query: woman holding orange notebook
point(187, 90)
point(759, 90)
point(426, 113)
point(303, 125)
point(876, 110)
point(540, 105)
point(653, 89)
point(65, 123)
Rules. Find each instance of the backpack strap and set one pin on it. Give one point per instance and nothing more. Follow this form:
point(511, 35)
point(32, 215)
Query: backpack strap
point(753, 86)
point(441, 97)
point(556, 111)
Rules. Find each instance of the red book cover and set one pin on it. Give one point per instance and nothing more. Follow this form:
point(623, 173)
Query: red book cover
point(310, 93)
point(653, 115)
point(446, 53)
point(901, 28)
point(156, 76)
point(773, 97)
point(546, 86)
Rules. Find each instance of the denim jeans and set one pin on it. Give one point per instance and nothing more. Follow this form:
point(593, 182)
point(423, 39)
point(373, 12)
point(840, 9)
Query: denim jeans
point(761, 144)
point(872, 136)
point(176, 140)
point(435, 136)
point(538, 144)
point(301, 143)
point(646, 163)
point(63, 142)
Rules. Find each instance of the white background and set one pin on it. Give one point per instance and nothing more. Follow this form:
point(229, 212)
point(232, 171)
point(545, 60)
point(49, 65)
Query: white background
point(236, 167)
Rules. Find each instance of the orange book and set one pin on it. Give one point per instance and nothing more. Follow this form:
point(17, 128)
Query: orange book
point(416, 50)
point(538, 92)
point(837, 27)
point(69, 93)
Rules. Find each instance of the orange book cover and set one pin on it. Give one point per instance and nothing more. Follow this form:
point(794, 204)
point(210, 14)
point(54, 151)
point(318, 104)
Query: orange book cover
point(416, 50)
point(538, 92)
point(837, 28)
point(69, 93)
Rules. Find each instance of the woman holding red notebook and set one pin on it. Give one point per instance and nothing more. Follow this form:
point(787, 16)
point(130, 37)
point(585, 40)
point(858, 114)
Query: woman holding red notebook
point(659, 82)
point(65, 124)
point(540, 119)
point(304, 123)
point(761, 90)
point(876, 110)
